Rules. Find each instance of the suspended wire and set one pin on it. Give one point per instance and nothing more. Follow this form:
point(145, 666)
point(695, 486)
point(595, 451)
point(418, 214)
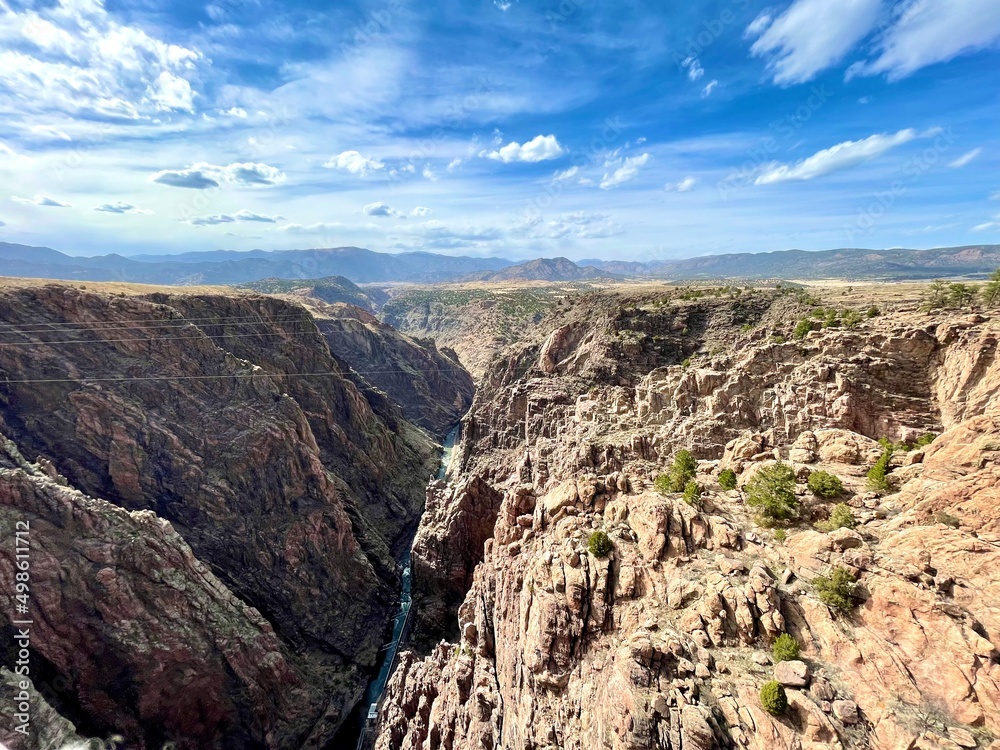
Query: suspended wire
point(148, 323)
point(238, 376)
point(196, 334)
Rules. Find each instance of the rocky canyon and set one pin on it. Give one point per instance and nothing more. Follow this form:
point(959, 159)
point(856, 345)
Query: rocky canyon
point(221, 489)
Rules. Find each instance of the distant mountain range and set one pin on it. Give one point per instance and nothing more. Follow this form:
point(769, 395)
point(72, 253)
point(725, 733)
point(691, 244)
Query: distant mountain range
point(366, 266)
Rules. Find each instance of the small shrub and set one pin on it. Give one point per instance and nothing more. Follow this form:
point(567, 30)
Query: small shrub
point(785, 648)
point(692, 494)
point(924, 440)
point(599, 544)
point(852, 319)
point(662, 484)
point(873, 312)
point(947, 519)
point(772, 493)
point(727, 479)
point(826, 485)
point(802, 328)
point(681, 472)
point(838, 590)
point(773, 698)
point(878, 474)
point(777, 339)
point(780, 535)
point(842, 517)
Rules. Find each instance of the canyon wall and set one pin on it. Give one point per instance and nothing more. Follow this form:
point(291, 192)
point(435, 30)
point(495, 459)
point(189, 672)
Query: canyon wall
point(665, 642)
point(215, 504)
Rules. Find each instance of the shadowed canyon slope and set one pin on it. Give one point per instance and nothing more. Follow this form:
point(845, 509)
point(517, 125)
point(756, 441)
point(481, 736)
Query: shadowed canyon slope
point(666, 641)
point(215, 508)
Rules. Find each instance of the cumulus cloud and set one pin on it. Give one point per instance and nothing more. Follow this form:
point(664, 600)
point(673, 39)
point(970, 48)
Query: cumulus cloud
point(539, 148)
point(354, 162)
point(421, 211)
point(380, 209)
point(693, 67)
point(242, 215)
point(684, 186)
point(841, 156)
point(811, 36)
point(120, 207)
point(40, 200)
point(933, 31)
point(965, 158)
point(628, 170)
point(203, 175)
point(74, 58)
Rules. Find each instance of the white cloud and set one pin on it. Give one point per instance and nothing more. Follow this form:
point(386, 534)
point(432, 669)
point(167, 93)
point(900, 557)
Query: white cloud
point(429, 174)
point(684, 186)
point(627, 171)
point(566, 174)
point(317, 228)
point(987, 225)
point(74, 58)
point(120, 207)
point(454, 164)
point(237, 112)
point(242, 215)
point(965, 158)
point(933, 31)
point(756, 28)
point(709, 88)
point(171, 92)
point(421, 211)
point(865, 100)
point(48, 131)
point(13, 155)
point(204, 175)
point(355, 163)
point(40, 200)
point(811, 36)
point(841, 156)
point(380, 209)
point(539, 148)
point(694, 69)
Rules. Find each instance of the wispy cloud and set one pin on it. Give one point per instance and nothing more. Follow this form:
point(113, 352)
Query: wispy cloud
point(40, 200)
point(842, 156)
point(965, 158)
point(684, 186)
point(121, 207)
point(811, 36)
point(628, 171)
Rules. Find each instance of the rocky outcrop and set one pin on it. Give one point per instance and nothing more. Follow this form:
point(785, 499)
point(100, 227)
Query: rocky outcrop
point(432, 388)
point(665, 642)
point(225, 426)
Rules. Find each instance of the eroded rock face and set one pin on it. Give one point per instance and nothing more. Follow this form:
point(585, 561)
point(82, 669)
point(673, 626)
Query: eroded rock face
point(248, 500)
point(665, 643)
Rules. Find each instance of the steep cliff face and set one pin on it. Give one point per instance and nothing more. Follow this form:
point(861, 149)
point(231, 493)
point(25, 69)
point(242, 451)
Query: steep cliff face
point(231, 508)
point(665, 643)
point(430, 386)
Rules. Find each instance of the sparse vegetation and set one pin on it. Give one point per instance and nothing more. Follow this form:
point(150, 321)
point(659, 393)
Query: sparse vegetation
point(991, 292)
point(826, 485)
point(692, 494)
point(780, 535)
point(947, 519)
point(878, 475)
point(727, 479)
point(924, 440)
point(599, 544)
point(785, 648)
point(772, 493)
point(681, 472)
point(873, 312)
point(838, 590)
point(773, 698)
point(957, 295)
point(802, 329)
point(841, 517)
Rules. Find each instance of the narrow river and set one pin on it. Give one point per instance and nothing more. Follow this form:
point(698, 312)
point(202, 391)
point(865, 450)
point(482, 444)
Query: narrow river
point(361, 722)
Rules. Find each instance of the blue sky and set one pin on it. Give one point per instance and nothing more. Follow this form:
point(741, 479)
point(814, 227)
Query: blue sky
point(522, 129)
